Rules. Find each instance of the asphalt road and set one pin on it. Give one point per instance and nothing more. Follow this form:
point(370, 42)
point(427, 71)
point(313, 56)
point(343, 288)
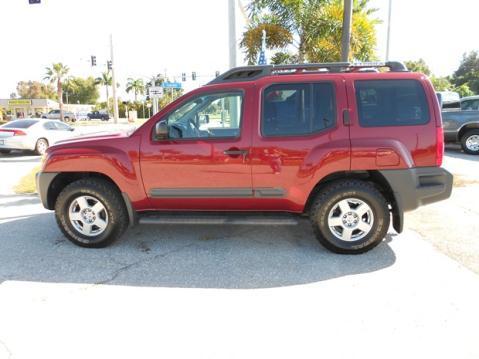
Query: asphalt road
point(223, 292)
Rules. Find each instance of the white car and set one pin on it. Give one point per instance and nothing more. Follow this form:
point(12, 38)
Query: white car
point(33, 134)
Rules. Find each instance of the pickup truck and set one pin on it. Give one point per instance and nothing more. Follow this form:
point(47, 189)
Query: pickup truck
point(55, 115)
point(461, 125)
point(345, 147)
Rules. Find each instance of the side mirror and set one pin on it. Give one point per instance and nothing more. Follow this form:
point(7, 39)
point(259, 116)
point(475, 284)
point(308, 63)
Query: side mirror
point(161, 130)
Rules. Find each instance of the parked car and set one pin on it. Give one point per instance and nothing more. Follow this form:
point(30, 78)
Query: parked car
point(82, 116)
point(55, 115)
point(349, 150)
point(98, 115)
point(32, 134)
point(462, 125)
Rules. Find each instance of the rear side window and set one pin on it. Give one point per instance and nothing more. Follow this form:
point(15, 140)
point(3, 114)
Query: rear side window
point(20, 124)
point(391, 103)
point(297, 109)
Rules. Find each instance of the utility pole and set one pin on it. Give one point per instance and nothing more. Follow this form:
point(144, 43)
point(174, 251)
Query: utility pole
point(346, 35)
point(389, 29)
point(232, 31)
point(113, 82)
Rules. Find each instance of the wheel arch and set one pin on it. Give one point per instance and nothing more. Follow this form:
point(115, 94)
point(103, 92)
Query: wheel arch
point(372, 176)
point(467, 127)
point(63, 179)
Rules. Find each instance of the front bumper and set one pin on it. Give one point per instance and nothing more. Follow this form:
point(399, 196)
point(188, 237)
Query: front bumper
point(419, 186)
point(43, 182)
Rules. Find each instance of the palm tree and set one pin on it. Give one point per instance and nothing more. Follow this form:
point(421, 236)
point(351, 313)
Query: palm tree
point(137, 86)
point(57, 73)
point(309, 26)
point(105, 80)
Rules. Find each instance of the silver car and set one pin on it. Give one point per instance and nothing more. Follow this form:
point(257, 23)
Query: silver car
point(33, 134)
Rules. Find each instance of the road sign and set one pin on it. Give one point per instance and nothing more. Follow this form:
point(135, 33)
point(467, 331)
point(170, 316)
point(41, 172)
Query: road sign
point(171, 85)
point(155, 91)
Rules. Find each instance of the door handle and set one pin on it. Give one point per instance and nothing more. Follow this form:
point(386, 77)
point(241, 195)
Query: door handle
point(235, 152)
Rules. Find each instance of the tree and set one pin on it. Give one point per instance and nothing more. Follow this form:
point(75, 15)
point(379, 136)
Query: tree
point(135, 85)
point(82, 90)
point(418, 66)
point(57, 73)
point(311, 27)
point(105, 80)
point(35, 89)
point(468, 71)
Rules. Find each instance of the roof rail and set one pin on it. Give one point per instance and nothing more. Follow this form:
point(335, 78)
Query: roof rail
point(250, 73)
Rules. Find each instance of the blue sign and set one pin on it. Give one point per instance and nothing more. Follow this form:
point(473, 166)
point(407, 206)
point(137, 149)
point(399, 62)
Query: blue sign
point(171, 85)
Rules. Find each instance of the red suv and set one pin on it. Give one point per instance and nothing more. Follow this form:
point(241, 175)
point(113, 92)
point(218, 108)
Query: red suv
point(345, 145)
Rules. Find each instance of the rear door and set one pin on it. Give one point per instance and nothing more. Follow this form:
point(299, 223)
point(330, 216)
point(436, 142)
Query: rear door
point(298, 139)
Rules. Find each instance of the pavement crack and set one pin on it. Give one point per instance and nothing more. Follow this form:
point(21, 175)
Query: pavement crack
point(127, 267)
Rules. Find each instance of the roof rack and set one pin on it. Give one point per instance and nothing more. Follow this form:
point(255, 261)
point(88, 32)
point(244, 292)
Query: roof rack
point(250, 73)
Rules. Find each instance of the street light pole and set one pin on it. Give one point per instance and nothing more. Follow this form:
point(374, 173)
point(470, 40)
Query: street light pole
point(232, 31)
point(113, 82)
point(389, 29)
point(346, 35)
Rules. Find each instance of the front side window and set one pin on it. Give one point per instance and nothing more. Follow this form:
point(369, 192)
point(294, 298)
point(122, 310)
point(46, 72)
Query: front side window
point(391, 103)
point(297, 109)
point(470, 105)
point(213, 115)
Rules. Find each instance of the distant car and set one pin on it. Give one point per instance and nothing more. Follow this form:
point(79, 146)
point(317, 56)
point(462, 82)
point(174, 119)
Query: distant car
point(33, 134)
point(98, 115)
point(461, 125)
point(82, 116)
point(55, 115)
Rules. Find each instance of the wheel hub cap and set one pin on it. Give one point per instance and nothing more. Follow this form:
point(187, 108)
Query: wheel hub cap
point(350, 219)
point(472, 143)
point(88, 216)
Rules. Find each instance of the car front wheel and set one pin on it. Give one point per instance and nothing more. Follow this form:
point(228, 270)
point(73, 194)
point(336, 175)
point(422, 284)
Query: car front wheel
point(470, 142)
point(91, 213)
point(350, 216)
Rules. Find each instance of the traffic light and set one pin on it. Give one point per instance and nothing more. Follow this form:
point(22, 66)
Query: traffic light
point(183, 77)
point(217, 73)
point(34, 2)
point(109, 64)
point(93, 60)
point(193, 76)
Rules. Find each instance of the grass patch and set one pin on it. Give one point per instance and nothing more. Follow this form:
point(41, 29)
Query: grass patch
point(27, 183)
point(460, 181)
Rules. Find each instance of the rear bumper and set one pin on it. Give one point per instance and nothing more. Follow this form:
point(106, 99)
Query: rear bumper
point(43, 182)
point(419, 186)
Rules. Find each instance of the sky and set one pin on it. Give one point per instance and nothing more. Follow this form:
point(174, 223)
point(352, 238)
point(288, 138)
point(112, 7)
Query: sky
point(158, 36)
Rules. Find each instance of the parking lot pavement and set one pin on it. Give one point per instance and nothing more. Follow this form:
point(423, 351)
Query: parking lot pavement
point(12, 167)
point(226, 292)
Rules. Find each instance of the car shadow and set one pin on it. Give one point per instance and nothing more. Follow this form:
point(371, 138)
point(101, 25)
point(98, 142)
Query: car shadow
point(33, 249)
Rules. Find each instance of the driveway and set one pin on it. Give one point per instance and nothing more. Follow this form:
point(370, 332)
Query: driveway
point(226, 292)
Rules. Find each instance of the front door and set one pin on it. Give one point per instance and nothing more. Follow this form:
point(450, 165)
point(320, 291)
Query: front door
point(204, 164)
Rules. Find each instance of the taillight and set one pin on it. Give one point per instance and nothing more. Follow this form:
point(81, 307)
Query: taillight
point(15, 132)
point(439, 146)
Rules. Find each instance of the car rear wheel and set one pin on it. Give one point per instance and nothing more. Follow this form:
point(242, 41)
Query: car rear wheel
point(350, 217)
point(41, 147)
point(470, 142)
point(91, 213)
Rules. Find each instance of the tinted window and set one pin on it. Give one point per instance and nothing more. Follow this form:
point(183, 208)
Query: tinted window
point(391, 103)
point(297, 109)
point(20, 124)
point(62, 127)
point(470, 105)
point(212, 115)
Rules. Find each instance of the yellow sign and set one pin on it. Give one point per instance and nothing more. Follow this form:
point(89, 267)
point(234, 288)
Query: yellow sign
point(19, 102)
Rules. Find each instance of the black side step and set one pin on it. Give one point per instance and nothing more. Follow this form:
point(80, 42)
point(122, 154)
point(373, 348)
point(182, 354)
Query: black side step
point(220, 218)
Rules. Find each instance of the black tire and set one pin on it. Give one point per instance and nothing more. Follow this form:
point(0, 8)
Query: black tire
point(327, 201)
point(109, 196)
point(465, 138)
point(5, 152)
point(40, 148)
